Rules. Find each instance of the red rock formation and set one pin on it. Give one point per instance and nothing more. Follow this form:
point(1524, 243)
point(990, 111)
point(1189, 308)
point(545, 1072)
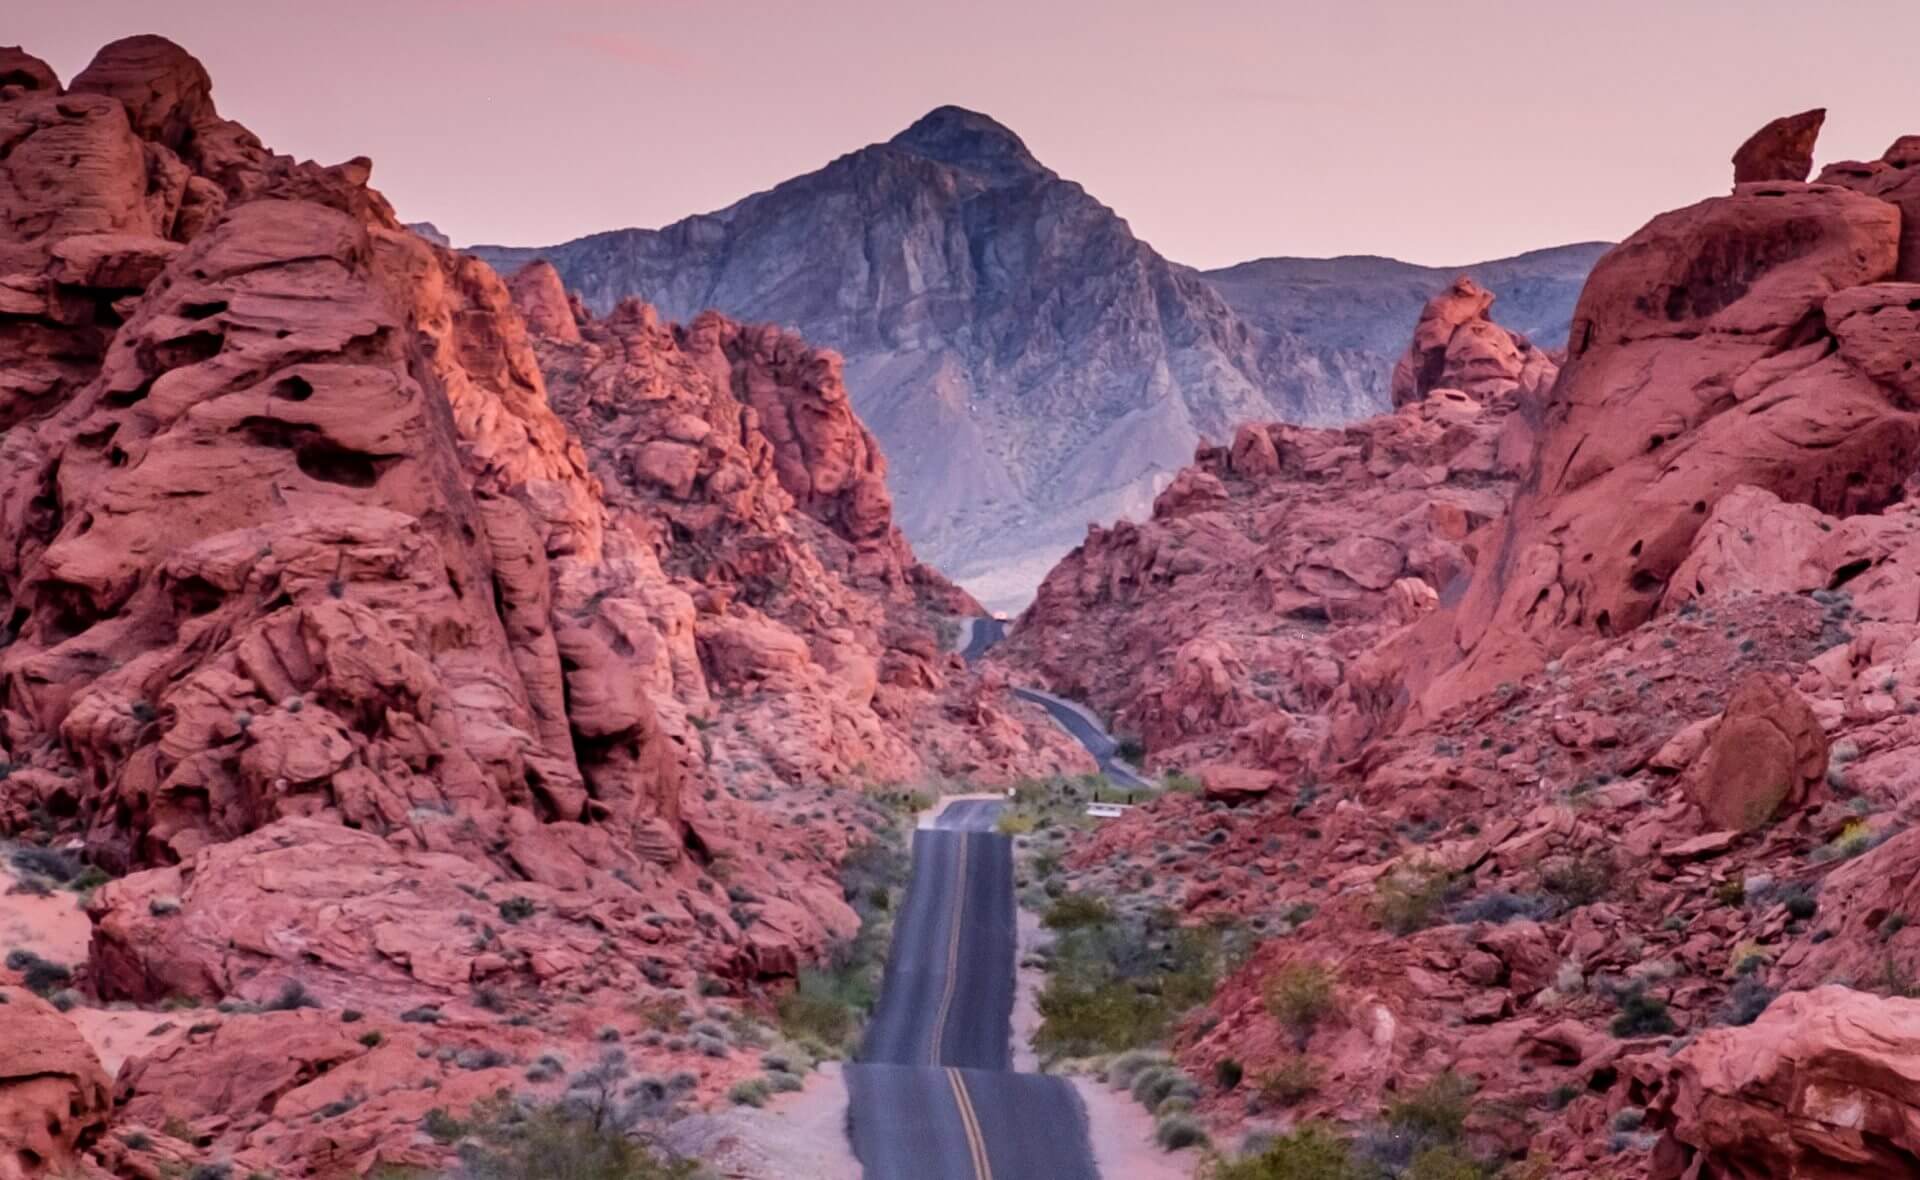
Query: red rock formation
point(736, 451)
point(1231, 619)
point(1821, 1085)
point(1455, 346)
point(319, 622)
point(1655, 742)
point(54, 1102)
point(1782, 150)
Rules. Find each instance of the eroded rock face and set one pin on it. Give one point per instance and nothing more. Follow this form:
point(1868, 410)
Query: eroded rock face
point(54, 1100)
point(1782, 150)
point(1821, 1085)
point(1699, 363)
point(320, 624)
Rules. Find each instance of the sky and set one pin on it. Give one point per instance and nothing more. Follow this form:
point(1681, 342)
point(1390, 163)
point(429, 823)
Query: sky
point(1222, 130)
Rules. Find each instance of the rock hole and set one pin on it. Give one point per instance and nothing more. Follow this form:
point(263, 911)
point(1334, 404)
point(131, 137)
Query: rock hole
point(201, 311)
point(1700, 506)
point(329, 463)
point(1849, 572)
point(1635, 551)
point(1646, 581)
point(1604, 623)
point(1653, 444)
point(294, 389)
point(194, 595)
point(190, 349)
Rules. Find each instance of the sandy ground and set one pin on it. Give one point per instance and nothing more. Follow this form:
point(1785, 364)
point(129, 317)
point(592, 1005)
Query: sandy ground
point(56, 928)
point(795, 1135)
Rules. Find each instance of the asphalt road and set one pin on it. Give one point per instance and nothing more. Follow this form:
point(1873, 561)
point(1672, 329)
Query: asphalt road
point(931, 1097)
point(1088, 732)
point(981, 635)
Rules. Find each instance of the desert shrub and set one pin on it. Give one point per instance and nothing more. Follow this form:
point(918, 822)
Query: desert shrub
point(1800, 902)
point(51, 863)
point(825, 1009)
point(1641, 1015)
point(1015, 823)
point(292, 994)
point(1311, 1152)
point(1500, 907)
point(1443, 1162)
point(424, 1014)
point(1177, 1131)
point(1291, 1080)
point(510, 1141)
point(1121, 984)
point(1437, 1111)
point(442, 1127)
point(1077, 911)
point(1580, 880)
point(372, 1039)
point(41, 976)
point(1299, 995)
point(1411, 897)
point(136, 1141)
point(515, 910)
point(752, 1092)
point(1123, 1069)
point(1855, 838)
point(1748, 999)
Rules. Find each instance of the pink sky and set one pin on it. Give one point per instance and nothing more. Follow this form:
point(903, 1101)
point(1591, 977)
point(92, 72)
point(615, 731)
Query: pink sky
point(1436, 132)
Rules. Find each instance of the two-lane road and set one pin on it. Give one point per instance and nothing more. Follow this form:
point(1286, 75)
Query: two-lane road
point(931, 1096)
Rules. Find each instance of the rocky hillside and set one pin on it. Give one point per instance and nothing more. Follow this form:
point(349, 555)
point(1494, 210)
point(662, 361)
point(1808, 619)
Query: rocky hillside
point(1027, 363)
point(1554, 746)
point(405, 742)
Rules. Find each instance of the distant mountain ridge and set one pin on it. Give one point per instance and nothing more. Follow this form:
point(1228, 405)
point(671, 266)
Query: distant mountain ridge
point(1376, 301)
point(1027, 363)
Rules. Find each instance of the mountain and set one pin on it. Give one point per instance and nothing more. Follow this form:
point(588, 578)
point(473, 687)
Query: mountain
point(1028, 364)
point(1370, 304)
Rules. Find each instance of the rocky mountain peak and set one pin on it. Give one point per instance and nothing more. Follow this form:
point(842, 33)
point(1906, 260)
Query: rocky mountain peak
point(971, 141)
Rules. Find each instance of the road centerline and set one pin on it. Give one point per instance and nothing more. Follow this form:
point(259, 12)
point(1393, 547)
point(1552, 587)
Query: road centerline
point(970, 1123)
point(939, 1033)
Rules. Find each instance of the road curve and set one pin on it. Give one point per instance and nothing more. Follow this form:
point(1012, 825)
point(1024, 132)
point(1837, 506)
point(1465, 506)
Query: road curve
point(1089, 733)
point(930, 1097)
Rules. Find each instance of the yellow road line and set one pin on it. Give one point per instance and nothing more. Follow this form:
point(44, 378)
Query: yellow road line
point(970, 1122)
point(953, 953)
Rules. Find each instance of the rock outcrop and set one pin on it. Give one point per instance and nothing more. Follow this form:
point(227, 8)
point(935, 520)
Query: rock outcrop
point(1234, 615)
point(1782, 150)
point(54, 1099)
point(1821, 1085)
point(1455, 346)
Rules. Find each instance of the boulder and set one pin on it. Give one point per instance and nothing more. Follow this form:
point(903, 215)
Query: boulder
point(1782, 150)
point(1765, 754)
point(54, 1097)
point(1823, 1085)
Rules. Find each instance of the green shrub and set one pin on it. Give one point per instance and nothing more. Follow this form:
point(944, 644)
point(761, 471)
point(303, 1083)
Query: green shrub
point(1437, 1110)
point(1411, 897)
point(1311, 1152)
point(1444, 1162)
point(512, 1142)
point(1076, 911)
point(1641, 1015)
point(752, 1092)
point(1079, 1020)
point(443, 1127)
point(1177, 1131)
point(40, 976)
point(1291, 1080)
point(515, 910)
point(1299, 995)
